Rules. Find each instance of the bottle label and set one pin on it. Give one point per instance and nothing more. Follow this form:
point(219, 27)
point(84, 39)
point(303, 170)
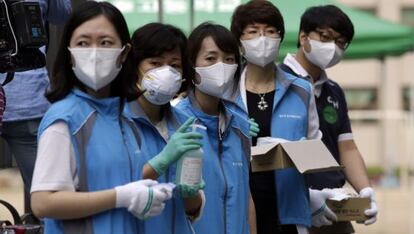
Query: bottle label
point(191, 171)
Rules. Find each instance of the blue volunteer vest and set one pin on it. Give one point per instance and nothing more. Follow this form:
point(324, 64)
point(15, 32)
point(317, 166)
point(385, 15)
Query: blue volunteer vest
point(173, 219)
point(289, 121)
point(225, 169)
point(107, 155)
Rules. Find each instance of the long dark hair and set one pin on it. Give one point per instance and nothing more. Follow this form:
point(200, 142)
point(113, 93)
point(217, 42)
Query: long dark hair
point(154, 39)
point(224, 40)
point(63, 80)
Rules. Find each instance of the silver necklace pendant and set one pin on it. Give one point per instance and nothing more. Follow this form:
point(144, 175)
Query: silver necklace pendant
point(262, 105)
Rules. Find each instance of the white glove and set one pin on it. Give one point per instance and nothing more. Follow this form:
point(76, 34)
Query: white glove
point(270, 140)
point(160, 193)
point(373, 211)
point(321, 214)
point(138, 198)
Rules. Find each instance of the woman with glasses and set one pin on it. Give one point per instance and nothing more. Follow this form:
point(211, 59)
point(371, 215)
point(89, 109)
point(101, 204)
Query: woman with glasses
point(283, 106)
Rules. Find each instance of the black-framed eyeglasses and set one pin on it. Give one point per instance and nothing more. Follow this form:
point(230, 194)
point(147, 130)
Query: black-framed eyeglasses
point(267, 33)
point(325, 36)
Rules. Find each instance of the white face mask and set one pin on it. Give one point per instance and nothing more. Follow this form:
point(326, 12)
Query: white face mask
point(324, 54)
point(262, 50)
point(161, 84)
point(216, 79)
point(96, 67)
point(337, 57)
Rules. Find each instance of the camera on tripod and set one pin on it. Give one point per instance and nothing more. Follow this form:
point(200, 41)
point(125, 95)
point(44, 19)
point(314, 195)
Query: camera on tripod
point(22, 33)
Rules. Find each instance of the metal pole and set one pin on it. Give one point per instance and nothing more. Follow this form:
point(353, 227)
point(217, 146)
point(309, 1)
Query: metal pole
point(388, 124)
point(411, 128)
point(191, 15)
point(410, 151)
point(160, 11)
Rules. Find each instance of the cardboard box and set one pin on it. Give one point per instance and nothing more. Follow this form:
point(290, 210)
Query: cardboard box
point(351, 209)
point(335, 228)
point(307, 156)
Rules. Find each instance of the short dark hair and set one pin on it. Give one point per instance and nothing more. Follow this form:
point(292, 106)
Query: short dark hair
point(154, 39)
point(224, 40)
point(327, 16)
point(63, 79)
point(256, 11)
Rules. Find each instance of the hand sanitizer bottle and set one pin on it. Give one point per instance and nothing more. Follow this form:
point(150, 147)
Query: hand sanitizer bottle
point(189, 166)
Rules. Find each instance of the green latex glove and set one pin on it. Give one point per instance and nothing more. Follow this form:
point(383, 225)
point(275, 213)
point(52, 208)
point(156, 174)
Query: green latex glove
point(254, 128)
point(187, 191)
point(180, 142)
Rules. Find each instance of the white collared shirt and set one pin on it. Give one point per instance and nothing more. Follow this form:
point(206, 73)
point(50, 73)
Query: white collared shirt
point(291, 62)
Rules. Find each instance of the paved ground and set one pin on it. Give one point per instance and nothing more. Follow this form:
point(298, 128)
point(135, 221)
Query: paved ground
point(11, 190)
point(395, 216)
point(394, 204)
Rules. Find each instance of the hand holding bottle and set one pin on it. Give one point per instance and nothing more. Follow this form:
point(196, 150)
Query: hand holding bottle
point(180, 142)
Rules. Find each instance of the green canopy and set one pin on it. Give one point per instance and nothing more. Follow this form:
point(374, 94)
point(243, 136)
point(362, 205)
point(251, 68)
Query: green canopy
point(374, 37)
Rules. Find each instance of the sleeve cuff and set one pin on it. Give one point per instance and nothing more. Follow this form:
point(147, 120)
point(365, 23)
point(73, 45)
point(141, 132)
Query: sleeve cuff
point(52, 187)
point(345, 137)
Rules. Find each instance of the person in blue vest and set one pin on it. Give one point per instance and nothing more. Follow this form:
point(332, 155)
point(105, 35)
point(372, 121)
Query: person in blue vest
point(86, 173)
point(284, 107)
point(325, 34)
point(159, 50)
point(214, 57)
